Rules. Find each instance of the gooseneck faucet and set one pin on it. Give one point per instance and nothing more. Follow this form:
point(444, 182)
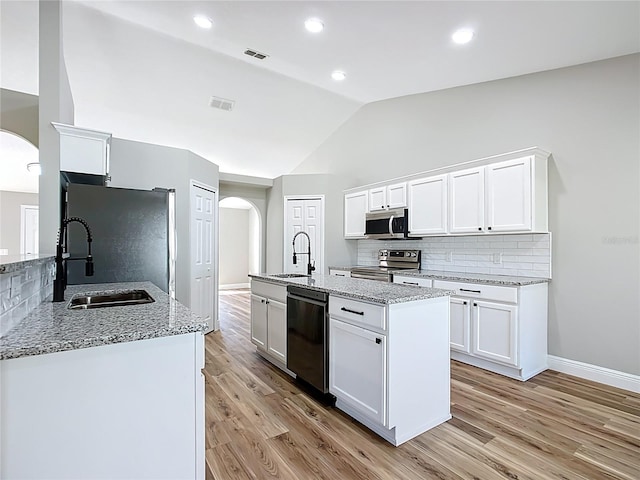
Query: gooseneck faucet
point(60, 282)
point(310, 268)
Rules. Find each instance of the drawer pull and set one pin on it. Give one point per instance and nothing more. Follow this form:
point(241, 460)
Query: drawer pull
point(475, 304)
point(339, 274)
point(472, 291)
point(464, 303)
point(410, 283)
point(378, 341)
point(345, 309)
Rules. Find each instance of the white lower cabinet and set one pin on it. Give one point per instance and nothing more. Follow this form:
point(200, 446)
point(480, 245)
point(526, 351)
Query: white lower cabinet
point(358, 371)
point(499, 328)
point(389, 364)
point(269, 320)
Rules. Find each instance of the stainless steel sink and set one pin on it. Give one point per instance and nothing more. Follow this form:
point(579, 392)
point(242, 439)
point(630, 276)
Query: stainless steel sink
point(101, 300)
point(289, 275)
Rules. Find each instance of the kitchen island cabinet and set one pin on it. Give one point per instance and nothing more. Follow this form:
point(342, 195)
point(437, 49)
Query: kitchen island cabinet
point(269, 321)
point(105, 393)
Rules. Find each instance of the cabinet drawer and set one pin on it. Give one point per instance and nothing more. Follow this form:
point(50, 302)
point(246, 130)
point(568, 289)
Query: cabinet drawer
point(269, 290)
point(485, 292)
point(358, 313)
point(420, 282)
point(339, 273)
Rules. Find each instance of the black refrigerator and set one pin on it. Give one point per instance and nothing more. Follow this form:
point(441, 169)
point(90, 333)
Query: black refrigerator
point(133, 235)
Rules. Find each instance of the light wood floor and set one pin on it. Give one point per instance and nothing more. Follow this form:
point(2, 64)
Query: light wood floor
point(259, 425)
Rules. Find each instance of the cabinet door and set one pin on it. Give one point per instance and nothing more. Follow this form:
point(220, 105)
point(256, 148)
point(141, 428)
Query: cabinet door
point(459, 322)
point(83, 150)
point(466, 201)
point(357, 369)
point(427, 201)
point(397, 195)
point(495, 332)
point(509, 196)
point(377, 199)
point(277, 330)
point(259, 321)
point(356, 205)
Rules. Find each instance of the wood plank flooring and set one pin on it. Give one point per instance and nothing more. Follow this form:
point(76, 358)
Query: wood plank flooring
point(259, 425)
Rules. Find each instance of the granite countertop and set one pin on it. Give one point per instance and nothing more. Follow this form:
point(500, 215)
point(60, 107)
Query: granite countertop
point(13, 263)
point(481, 278)
point(51, 327)
point(360, 289)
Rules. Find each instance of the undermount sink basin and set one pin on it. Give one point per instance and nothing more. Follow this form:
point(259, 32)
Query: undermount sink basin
point(289, 275)
point(101, 300)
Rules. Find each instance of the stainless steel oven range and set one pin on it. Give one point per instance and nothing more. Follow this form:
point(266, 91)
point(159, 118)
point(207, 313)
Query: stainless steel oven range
point(389, 261)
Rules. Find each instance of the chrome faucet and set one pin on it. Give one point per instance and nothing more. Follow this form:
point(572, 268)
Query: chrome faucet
point(60, 282)
point(310, 267)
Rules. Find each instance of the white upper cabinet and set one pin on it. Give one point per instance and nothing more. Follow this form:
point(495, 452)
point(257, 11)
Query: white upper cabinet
point(397, 195)
point(390, 196)
point(509, 196)
point(356, 205)
point(83, 150)
point(427, 200)
point(466, 201)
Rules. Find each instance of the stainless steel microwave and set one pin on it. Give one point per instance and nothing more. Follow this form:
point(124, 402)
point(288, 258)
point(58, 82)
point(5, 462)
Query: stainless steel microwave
point(387, 224)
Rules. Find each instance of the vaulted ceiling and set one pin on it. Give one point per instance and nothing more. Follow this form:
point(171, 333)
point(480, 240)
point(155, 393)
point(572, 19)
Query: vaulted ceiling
point(144, 71)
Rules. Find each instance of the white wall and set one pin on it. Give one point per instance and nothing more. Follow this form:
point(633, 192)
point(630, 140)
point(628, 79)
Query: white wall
point(588, 116)
point(10, 218)
point(146, 166)
point(234, 245)
point(255, 242)
point(19, 114)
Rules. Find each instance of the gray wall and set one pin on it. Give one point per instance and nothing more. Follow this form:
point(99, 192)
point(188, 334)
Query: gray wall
point(10, 221)
point(588, 116)
point(19, 114)
point(146, 166)
point(234, 245)
point(55, 105)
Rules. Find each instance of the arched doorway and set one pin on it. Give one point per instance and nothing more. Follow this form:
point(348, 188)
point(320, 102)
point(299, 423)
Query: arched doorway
point(240, 233)
point(18, 195)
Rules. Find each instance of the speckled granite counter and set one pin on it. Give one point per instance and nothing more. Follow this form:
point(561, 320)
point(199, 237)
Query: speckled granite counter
point(51, 327)
point(367, 290)
point(13, 263)
point(481, 278)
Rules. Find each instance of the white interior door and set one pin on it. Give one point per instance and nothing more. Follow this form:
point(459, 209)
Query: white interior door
point(203, 278)
point(29, 237)
point(305, 214)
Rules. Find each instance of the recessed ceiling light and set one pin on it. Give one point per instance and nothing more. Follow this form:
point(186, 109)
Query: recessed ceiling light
point(202, 21)
point(338, 75)
point(34, 168)
point(314, 25)
point(462, 36)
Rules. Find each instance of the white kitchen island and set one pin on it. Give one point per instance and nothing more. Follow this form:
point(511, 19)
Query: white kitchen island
point(389, 365)
point(112, 392)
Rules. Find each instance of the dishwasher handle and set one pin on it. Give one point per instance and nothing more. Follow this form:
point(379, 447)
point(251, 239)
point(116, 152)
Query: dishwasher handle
point(306, 300)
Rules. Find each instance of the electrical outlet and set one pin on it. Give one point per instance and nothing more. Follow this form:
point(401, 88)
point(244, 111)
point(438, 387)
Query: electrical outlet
point(497, 258)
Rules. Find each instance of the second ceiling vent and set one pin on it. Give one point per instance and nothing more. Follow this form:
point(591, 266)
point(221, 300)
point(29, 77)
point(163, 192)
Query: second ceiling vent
point(221, 103)
point(253, 53)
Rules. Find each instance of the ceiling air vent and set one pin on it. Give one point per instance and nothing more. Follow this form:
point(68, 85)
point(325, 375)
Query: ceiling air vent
point(221, 103)
point(253, 53)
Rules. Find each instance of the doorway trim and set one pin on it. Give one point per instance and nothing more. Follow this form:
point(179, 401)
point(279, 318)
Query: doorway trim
point(284, 224)
point(23, 224)
point(196, 183)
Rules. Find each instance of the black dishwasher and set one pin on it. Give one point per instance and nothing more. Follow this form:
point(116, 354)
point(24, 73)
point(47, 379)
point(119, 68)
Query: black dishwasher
point(308, 336)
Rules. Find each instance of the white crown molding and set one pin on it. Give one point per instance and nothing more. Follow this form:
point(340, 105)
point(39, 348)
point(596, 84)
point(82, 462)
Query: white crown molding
point(614, 378)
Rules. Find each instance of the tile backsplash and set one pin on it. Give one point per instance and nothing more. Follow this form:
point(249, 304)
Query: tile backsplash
point(22, 291)
point(526, 255)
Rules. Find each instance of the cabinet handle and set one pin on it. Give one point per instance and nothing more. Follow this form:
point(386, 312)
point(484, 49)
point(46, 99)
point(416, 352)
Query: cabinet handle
point(488, 228)
point(464, 303)
point(262, 300)
point(475, 304)
point(480, 228)
point(345, 309)
point(378, 341)
point(410, 283)
point(472, 291)
point(340, 274)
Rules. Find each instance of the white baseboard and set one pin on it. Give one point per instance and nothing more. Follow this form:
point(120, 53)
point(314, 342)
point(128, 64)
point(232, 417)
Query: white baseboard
point(614, 378)
point(234, 286)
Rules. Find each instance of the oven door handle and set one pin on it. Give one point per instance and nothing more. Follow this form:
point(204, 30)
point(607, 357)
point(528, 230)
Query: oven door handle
point(307, 300)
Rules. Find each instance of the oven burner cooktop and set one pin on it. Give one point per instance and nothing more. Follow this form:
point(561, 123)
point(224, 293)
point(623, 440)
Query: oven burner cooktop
point(389, 261)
